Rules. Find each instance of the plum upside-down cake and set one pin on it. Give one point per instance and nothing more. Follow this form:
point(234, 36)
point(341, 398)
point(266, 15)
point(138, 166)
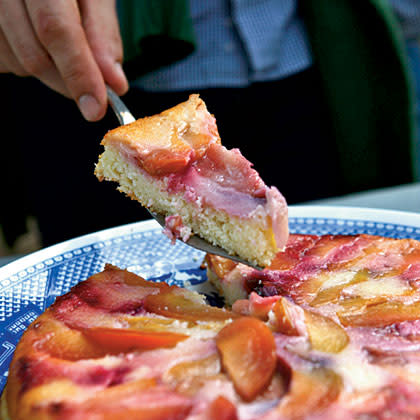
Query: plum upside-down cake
point(174, 164)
point(331, 330)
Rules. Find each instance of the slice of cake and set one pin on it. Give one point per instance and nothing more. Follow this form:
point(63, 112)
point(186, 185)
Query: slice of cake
point(174, 164)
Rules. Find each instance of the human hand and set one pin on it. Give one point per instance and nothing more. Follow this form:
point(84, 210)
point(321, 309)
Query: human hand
point(73, 46)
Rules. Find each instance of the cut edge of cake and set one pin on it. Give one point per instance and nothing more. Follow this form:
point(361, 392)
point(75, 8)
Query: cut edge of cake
point(251, 239)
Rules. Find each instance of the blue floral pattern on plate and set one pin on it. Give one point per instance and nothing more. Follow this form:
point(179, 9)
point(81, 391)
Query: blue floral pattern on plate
point(30, 285)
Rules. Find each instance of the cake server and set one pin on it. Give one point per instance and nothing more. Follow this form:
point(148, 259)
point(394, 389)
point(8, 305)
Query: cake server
point(125, 117)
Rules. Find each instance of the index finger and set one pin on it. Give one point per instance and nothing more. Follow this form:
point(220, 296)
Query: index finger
point(57, 24)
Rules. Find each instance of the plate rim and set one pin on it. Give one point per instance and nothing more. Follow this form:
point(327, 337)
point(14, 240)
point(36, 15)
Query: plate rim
point(409, 219)
point(75, 243)
point(356, 213)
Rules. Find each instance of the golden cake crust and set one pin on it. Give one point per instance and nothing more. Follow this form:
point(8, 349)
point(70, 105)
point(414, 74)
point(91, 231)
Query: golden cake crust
point(168, 142)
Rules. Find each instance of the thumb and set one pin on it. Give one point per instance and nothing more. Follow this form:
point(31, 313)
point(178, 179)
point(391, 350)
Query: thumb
point(100, 21)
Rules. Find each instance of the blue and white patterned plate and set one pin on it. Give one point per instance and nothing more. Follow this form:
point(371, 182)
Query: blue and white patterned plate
point(29, 285)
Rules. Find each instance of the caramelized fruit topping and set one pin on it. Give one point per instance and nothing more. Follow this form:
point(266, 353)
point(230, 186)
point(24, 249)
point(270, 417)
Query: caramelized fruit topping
point(248, 354)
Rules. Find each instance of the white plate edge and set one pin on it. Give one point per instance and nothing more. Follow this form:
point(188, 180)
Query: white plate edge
point(356, 213)
point(75, 243)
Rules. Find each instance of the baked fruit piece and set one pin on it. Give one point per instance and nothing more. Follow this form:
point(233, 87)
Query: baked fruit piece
point(354, 297)
point(174, 164)
point(345, 339)
point(120, 347)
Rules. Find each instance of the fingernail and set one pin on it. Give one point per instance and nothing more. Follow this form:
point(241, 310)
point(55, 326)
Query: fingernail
point(89, 107)
point(120, 73)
